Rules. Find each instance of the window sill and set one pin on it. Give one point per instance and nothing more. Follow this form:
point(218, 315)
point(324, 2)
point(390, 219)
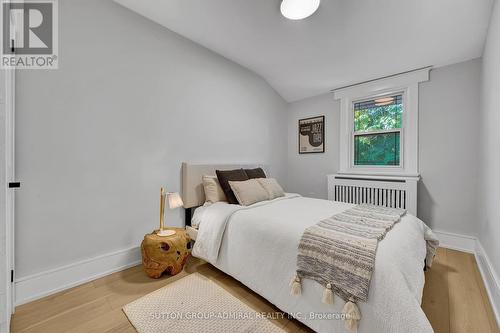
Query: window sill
point(382, 174)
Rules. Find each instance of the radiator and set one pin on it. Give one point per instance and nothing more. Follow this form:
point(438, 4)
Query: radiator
point(388, 191)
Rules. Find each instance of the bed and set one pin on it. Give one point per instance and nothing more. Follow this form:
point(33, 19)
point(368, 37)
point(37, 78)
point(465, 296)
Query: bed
point(257, 245)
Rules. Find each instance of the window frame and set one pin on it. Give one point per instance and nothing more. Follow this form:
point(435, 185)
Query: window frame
point(405, 84)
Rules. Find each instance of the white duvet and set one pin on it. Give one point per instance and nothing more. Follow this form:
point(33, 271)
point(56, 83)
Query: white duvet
point(257, 245)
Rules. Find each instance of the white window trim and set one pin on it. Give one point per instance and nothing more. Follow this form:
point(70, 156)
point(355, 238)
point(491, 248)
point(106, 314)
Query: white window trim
point(407, 84)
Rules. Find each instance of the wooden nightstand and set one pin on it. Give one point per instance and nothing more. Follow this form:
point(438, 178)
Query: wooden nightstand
point(165, 254)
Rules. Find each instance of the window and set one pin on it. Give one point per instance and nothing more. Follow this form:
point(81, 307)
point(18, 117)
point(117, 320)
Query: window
point(377, 131)
point(379, 125)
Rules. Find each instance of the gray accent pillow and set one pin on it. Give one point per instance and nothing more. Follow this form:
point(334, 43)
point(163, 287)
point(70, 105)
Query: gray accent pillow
point(213, 190)
point(248, 192)
point(272, 187)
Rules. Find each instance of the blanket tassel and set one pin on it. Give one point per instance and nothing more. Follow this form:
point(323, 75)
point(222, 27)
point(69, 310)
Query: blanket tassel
point(295, 287)
point(353, 316)
point(327, 295)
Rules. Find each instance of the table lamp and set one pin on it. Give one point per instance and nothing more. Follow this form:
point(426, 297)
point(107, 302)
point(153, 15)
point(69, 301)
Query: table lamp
point(174, 201)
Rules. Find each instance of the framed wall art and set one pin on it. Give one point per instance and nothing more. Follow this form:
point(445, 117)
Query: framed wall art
point(312, 135)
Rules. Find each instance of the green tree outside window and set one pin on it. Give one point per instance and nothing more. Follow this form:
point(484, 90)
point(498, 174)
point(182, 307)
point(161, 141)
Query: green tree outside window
point(377, 131)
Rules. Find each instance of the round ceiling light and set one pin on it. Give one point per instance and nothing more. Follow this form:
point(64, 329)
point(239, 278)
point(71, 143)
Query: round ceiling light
point(298, 9)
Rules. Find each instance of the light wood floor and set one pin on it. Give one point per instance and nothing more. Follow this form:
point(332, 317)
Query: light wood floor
point(455, 300)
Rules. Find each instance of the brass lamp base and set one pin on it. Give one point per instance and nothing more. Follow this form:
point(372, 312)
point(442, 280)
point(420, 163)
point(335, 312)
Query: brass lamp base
point(164, 233)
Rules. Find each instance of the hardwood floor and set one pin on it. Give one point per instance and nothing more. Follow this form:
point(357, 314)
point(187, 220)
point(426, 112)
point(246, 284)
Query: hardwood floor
point(455, 300)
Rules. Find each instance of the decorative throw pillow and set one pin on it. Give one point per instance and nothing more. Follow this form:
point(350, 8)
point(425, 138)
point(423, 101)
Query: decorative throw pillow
point(273, 189)
point(213, 190)
point(224, 176)
point(255, 173)
point(248, 192)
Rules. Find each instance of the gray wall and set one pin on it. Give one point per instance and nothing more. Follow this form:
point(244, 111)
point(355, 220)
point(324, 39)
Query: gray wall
point(489, 232)
point(98, 137)
point(448, 153)
point(307, 172)
point(448, 134)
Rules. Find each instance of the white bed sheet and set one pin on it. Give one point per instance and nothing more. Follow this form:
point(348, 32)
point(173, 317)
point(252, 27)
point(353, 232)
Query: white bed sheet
point(197, 217)
point(257, 245)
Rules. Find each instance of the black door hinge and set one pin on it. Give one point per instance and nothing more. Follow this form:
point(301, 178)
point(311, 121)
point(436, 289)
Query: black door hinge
point(11, 275)
point(14, 185)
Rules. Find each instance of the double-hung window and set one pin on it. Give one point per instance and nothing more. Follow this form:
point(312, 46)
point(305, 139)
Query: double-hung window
point(379, 125)
point(377, 131)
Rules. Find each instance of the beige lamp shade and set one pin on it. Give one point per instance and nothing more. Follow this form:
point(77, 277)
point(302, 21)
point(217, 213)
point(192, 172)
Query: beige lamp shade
point(174, 200)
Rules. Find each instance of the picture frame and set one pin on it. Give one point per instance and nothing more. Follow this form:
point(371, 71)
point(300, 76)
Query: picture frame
point(311, 135)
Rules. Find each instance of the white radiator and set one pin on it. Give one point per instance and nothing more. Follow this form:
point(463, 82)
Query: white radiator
point(388, 191)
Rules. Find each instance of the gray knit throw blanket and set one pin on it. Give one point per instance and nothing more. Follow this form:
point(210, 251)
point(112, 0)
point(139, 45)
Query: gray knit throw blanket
point(339, 253)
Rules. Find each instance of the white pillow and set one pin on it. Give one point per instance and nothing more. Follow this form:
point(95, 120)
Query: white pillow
point(273, 189)
point(248, 192)
point(213, 190)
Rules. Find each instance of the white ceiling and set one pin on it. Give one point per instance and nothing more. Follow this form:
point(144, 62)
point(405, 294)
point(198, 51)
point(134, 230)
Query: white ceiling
point(344, 42)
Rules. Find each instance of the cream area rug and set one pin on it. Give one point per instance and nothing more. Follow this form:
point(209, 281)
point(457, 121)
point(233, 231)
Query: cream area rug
point(195, 304)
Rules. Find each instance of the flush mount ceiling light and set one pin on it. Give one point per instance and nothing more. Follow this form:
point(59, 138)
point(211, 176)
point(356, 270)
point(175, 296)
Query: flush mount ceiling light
point(298, 9)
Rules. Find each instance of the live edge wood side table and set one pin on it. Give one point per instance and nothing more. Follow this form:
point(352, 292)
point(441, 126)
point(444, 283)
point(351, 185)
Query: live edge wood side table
point(165, 254)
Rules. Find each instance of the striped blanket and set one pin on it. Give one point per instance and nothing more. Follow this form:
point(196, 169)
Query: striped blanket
point(339, 253)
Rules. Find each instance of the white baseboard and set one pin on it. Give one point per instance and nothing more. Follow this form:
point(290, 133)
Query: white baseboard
point(490, 278)
point(458, 242)
point(42, 284)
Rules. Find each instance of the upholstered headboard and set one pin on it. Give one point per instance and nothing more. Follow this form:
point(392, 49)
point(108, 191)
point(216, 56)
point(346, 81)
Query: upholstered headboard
point(192, 185)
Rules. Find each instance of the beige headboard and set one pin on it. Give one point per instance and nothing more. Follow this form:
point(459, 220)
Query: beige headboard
point(192, 185)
